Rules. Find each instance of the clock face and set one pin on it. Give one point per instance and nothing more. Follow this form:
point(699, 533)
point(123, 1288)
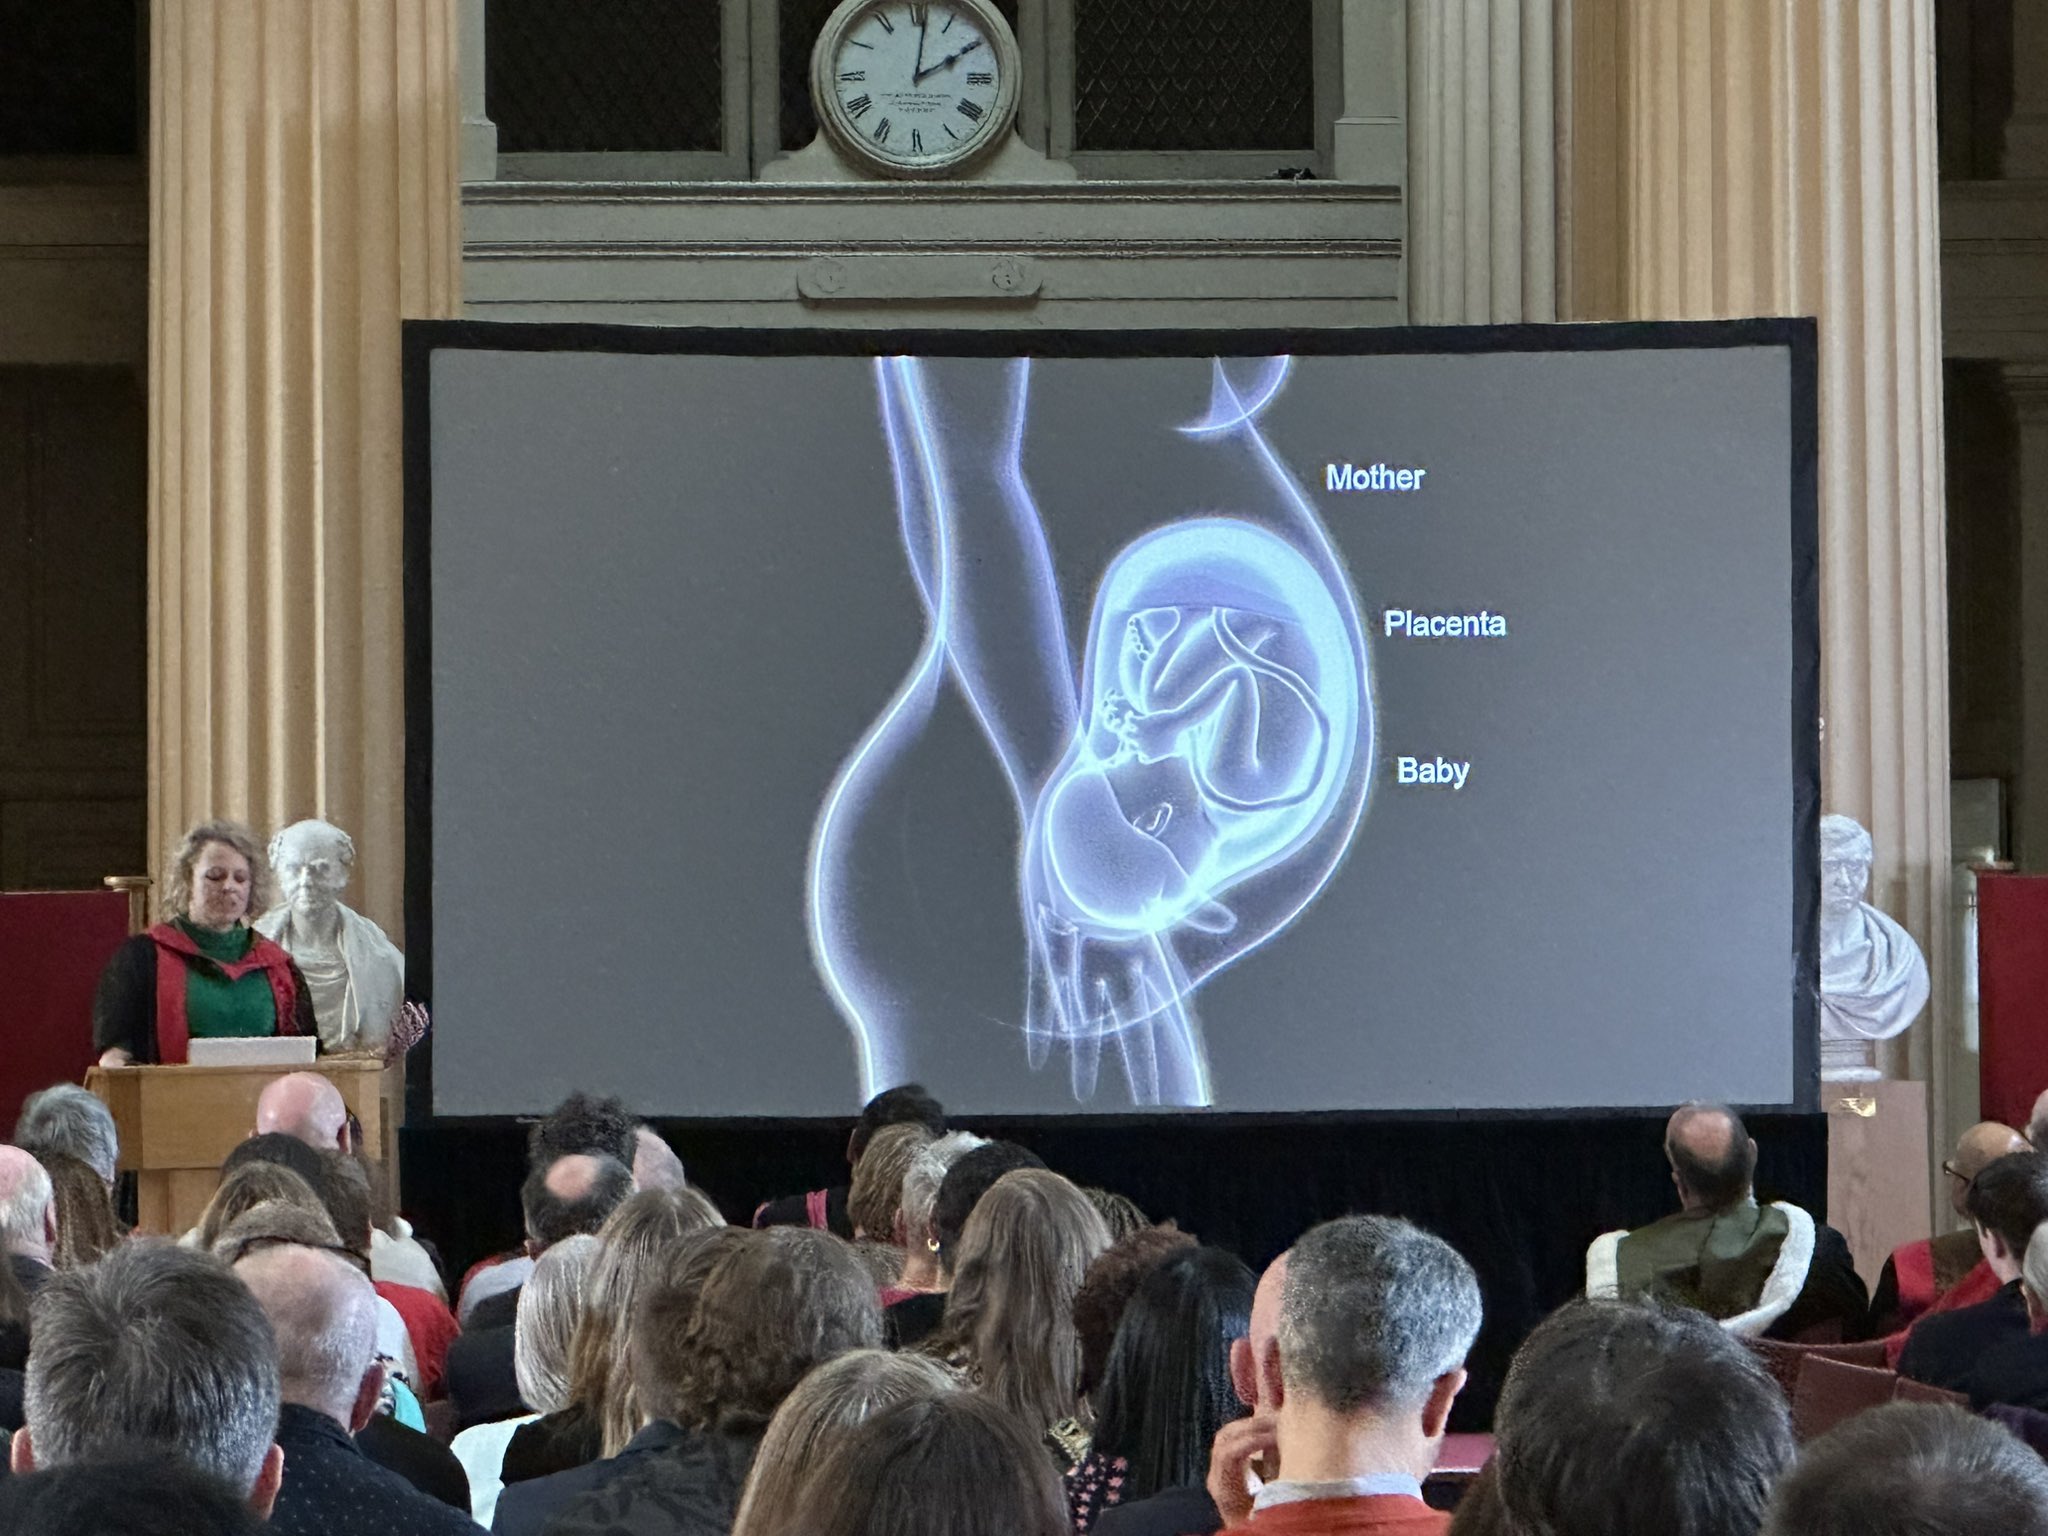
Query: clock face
point(916, 88)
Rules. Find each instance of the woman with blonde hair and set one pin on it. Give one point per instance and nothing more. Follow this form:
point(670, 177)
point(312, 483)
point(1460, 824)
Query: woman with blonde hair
point(203, 972)
point(602, 1409)
point(812, 1419)
point(248, 1186)
point(1010, 1315)
point(550, 1307)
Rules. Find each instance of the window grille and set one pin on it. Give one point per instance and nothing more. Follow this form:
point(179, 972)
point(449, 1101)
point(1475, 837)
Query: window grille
point(1194, 75)
point(605, 76)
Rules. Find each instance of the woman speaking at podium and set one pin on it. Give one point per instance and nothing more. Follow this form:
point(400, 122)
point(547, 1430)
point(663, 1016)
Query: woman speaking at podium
point(203, 973)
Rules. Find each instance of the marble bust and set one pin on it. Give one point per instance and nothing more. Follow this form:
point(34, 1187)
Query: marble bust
point(1873, 978)
point(355, 973)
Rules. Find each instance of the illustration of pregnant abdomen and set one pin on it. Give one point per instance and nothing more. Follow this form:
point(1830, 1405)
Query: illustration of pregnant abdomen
point(1224, 709)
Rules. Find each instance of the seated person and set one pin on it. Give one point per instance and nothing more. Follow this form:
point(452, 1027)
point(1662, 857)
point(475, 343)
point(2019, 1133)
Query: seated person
point(2007, 1202)
point(573, 1194)
point(2015, 1374)
point(1376, 1319)
point(972, 1174)
point(157, 1352)
point(1913, 1469)
point(322, 1310)
point(729, 1327)
point(203, 972)
point(826, 1208)
point(1768, 1270)
point(1631, 1418)
point(1942, 1273)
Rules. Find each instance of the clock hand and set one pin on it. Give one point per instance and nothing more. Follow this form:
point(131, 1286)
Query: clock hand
point(949, 60)
point(914, 75)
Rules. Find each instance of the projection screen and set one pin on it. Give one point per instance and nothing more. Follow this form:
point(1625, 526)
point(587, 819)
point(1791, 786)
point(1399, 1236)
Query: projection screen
point(1364, 721)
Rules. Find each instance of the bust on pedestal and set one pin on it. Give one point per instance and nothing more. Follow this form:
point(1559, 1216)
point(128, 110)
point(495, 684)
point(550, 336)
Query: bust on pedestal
point(355, 973)
point(1873, 978)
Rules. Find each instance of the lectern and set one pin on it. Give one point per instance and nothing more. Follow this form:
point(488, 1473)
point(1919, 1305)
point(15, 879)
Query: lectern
point(178, 1123)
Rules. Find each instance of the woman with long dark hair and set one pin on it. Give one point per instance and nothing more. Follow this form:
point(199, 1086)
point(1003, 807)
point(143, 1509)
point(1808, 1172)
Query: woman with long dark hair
point(1166, 1390)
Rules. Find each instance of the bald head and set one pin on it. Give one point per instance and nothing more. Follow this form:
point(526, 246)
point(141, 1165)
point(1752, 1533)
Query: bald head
point(1255, 1358)
point(323, 1312)
point(655, 1164)
point(306, 1107)
point(1712, 1158)
point(572, 1194)
point(28, 1207)
point(1977, 1149)
point(2037, 1122)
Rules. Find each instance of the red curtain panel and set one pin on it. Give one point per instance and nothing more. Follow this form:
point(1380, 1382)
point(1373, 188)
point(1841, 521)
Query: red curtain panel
point(52, 947)
point(2012, 990)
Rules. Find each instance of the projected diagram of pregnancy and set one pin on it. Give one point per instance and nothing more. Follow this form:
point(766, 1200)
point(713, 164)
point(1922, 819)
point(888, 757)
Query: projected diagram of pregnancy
point(1181, 796)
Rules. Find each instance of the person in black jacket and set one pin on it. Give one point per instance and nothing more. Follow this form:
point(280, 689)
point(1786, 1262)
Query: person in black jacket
point(826, 1208)
point(2007, 1202)
point(323, 1312)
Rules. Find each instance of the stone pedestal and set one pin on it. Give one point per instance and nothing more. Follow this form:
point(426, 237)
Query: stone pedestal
point(1879, 1184)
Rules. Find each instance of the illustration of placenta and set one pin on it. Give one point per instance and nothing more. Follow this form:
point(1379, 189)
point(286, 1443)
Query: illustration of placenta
point(1181, 796)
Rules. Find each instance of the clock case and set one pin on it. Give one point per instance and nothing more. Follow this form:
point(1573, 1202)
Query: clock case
point(853, 145)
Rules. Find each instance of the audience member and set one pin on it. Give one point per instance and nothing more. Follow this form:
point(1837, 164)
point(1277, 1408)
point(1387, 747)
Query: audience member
point(67, 1118)
point(1913, 1469)
point(2008, 1200)
point(275, 1147)
point(322, 1310)
point(1010, 1315)
point(28, 1218)
point(920, 1276)
point(825, 1405)
point(874, 1201)
point(826, 1209)
point(1941, 1273)
point(1119, 1213)
point(1106, 1288)
point(713, 1359)
point(307, 1107)
point(1768, 1270)
point(149, 1496)
point(550, 1307)
point(575, 1193)
point(1376, 1319)
point(2037, 1123)
point(1166, 1392)
point(1619, 1419)
point(911, 1321)
point(159, 1351)
point(245, 1188)
point(86, 1225)
point(580, 1126)
point(584, 1124)
point(958, 1464)
point(14, 1310)
point(655, 1164)
point(680, 1273)
point(631, 1246)
point(2015, 1374)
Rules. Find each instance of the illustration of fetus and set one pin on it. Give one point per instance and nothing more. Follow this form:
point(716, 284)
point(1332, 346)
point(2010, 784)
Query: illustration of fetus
point(1187, 791)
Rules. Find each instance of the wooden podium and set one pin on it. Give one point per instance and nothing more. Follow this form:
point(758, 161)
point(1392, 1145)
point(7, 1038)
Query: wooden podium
point(178, 1123)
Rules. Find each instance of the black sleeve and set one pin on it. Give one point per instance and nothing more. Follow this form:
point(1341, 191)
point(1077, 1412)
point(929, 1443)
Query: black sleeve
point(789, 1211)
point(124, 1006)
point(303, 1022)
point(420, 1459)
point(1884, 1305)
point(1834, 1298)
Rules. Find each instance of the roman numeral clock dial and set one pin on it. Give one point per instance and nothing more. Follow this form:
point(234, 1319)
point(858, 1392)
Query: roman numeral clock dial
point(915, 90)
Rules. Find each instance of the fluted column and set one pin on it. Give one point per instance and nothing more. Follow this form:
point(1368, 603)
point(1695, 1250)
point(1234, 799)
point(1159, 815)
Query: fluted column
point(1777, 157)
point(302, 200)
point(1482, 165)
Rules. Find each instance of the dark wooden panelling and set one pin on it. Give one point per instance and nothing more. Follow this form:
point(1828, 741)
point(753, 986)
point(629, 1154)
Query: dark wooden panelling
point(73, 609)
